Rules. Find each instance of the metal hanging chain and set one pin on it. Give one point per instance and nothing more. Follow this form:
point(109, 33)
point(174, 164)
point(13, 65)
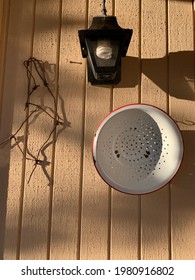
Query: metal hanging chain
point(39, 69)
point(104, 11)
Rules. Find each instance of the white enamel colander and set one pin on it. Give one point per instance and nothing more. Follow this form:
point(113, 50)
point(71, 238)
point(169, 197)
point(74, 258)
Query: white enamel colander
point(137, 149)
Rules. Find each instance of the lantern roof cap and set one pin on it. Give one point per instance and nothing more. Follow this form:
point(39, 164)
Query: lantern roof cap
point(104, 22)
point(105, 27)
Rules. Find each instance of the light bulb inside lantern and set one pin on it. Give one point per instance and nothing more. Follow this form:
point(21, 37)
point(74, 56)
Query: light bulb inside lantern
point(104, 49)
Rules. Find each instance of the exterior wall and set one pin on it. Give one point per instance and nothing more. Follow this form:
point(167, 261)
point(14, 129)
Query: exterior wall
point(66, 211)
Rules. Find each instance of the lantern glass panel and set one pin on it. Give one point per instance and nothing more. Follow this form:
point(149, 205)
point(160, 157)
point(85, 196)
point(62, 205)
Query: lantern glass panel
point(105, 51)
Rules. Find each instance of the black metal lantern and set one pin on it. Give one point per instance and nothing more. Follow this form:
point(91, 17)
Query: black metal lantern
point(103, 44)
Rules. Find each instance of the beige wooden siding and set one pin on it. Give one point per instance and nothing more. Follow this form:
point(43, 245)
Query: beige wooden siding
point(66, 211)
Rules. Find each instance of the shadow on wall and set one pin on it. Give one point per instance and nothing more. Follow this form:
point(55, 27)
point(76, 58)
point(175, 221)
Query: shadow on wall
point(3, 197)
point(186, 175)
point(180, 65)
point(183, 206)
point(7, 144)
point(177, 66)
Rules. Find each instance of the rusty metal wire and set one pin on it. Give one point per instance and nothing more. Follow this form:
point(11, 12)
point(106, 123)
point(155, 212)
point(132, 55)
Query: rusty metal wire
point(104, 11)
point(33, 65)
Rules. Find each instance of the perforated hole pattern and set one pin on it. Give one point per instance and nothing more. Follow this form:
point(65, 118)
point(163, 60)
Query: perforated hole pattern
point(137, 143)
point(132, 149)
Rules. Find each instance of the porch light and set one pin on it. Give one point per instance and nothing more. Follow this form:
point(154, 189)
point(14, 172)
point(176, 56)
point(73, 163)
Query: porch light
point(103, 44)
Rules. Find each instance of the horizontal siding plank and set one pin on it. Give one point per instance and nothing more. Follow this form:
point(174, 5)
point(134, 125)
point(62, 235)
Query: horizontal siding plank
point(95, 198)
point(4, 17)
point(95, 194)
point(182, 104)
point(14, 98)
point(37, 192)
point(154, 207)
point(125, 222)
point(65, 241)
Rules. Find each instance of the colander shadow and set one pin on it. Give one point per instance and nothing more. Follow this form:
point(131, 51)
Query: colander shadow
point(185, 177)
point(175, 67)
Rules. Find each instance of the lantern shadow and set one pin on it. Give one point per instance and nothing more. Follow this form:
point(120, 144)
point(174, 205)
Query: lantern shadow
point(173, 73)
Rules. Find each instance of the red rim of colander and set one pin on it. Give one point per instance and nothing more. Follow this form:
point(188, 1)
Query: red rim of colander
point(128, 105)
